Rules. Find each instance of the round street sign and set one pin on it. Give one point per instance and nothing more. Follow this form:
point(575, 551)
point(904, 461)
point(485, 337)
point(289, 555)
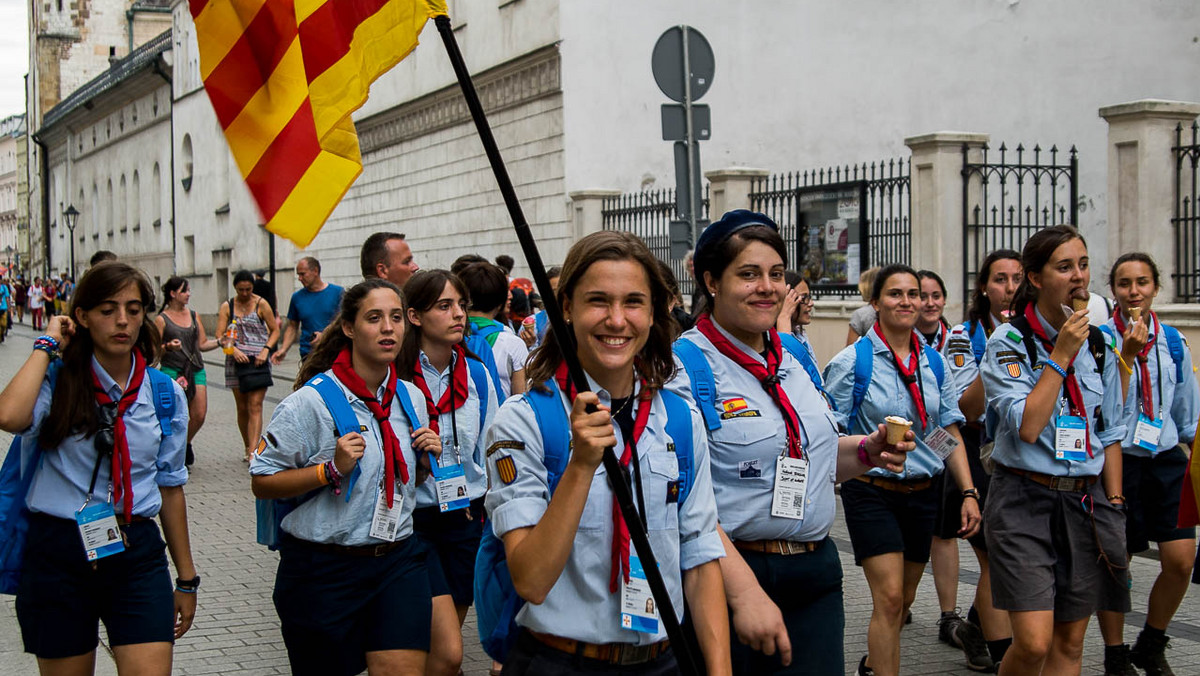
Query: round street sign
point(667, 63)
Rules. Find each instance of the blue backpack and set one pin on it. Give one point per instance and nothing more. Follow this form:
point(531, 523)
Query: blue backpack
point(864, 354)
point(978, 340)
point(480, 341)
point(15, 483)
point(704, 389)
point(1174, 346)
point(270, 512)
point(496, 601)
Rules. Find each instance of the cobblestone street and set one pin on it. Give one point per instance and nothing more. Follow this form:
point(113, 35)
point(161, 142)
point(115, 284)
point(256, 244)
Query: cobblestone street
point(236, 629)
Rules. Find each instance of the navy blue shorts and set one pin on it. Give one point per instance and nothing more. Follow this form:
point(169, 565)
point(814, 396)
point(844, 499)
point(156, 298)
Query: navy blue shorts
point(335, 607)
point(881, 521)
point(949, 518)
point(62, 598)
point(453, 538)
point(1152, 487)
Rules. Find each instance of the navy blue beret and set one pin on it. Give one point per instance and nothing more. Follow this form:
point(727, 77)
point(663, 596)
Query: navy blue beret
point(730, 223)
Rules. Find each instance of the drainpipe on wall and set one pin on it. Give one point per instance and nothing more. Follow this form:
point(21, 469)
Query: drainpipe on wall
point(158, 68)
point(45, 180)
point(129, 28)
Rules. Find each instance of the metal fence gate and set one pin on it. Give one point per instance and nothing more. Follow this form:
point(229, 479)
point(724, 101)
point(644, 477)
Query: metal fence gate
point(1015, 199)
point(648, 214)
point(888, 197)
point(1187, 220)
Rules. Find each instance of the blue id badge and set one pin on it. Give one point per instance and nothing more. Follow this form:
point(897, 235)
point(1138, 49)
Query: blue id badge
point(1147, 432)
point(638, 609)
point(451, 486)
point(1070, 438)
point(99, 531)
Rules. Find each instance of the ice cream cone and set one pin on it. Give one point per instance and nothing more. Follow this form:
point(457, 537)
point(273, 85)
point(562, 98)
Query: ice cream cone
point(1078, 303)
point(1135, 313)
point(896, 427)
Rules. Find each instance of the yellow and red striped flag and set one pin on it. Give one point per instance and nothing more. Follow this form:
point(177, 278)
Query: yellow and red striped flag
point(283, 77)
point(1189, 504)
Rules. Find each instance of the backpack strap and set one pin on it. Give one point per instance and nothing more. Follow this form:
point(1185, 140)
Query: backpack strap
point(864, 356)
point(679, 428)
point(704, 388)
point(936, 364)
point(553, 422)
point(1099, 346)
point(793, 345)
point(163, 388)
point(344, 419)
point(489, 332)
point(1021, 324)
point(479, 375)
point(1175, 347)
point(978, 340)
point(481, 349)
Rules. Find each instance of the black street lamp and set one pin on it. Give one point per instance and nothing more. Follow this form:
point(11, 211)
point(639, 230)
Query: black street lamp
point(70, 217)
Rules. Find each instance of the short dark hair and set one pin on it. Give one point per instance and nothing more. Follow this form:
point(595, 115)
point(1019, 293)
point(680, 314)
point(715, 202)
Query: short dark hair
point(311, 262)
point(506, 263)
point(930, 274)
point(1133, 257)
point(487, 284)
point(243, 276)
point(464, 260)
point(888, 272)
point(101, 256)
point(374, 252)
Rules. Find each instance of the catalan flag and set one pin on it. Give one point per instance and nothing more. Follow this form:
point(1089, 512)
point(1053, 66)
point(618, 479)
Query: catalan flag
point(284, 77)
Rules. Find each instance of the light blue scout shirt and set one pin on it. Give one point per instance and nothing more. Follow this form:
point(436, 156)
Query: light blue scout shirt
point(1180, 403)
point(579, 606)
point(470, 436)
point(887, 395)
point(752, 436)
point(960, 356)
point(301, 434)
point(60, 484)
point(1007, 382)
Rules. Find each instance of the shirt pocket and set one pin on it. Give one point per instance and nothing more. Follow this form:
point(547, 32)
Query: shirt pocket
point(598, 510)
point(747, 446)
point(661, 513)
point(1092, 387)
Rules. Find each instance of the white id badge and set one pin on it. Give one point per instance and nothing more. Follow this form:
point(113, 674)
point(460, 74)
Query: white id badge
point(638, 609)
point(791, 485)
point(1070, 438)
point(1147, 432)
point(941, 442)
point(386, 521)
point(451, 485)
point(99, 530)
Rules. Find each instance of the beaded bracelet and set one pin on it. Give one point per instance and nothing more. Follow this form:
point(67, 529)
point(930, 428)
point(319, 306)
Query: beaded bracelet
point(862, 453)
point(1054, 365)
point(334, 476)
point(47, 344)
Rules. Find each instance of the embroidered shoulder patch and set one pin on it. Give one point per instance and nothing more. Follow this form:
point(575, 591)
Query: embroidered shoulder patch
point(748, 413)
point(510, 445)
point(731, 405)
point(1014, 336)
point(1014, 369)
point(959, 359)
point(506, 468)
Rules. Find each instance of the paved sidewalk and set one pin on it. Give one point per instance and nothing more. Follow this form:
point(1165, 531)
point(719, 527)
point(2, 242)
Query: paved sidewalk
point(236, 629)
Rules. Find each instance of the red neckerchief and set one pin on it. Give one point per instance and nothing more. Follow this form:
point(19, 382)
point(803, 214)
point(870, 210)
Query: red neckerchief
point(1143, 362)
point(620, 541)
point(909, 374)
point(1074, 394)
point(345, 372)
point(768, 375)
point(122, 464)
point(454, 396)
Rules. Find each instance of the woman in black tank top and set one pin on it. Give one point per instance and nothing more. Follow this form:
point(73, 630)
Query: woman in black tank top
point(183, 340)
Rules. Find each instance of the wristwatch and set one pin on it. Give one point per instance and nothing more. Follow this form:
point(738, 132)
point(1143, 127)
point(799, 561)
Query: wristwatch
point(187, 585)
point(971, 493)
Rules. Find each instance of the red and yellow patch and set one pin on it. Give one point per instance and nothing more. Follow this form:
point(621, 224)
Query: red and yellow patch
point(733, 405)
point(959, 360)
point(262, 445)
point(1014, 369)
point(506, 467)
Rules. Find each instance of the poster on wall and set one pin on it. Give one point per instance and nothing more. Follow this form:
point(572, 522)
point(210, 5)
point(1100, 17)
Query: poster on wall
point(832, 230)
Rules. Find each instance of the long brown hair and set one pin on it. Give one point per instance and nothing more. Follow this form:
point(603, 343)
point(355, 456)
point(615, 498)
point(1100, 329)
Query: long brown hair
point(333, 339)
point(655, 361)
point(73, 405)
point(1034, 256)
point(423, 291)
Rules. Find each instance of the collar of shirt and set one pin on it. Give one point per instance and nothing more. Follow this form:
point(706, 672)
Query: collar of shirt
point(1051, 332)
point(437, 380)
point(110, 385)
point(757, 356)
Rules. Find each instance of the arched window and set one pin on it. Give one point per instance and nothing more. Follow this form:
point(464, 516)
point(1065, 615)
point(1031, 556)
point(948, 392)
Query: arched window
point(122, 209)
point(156, 189)
point(135, 202)
point(186, 161)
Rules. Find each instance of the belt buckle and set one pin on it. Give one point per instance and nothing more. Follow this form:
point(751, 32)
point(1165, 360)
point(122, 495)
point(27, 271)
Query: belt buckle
point(1065, 484)
point(789, 548)
point(379, 550)
point(630, 653)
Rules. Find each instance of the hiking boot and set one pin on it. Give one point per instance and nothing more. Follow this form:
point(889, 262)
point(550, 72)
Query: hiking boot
point(948, 628)
point(974, 647)
point(1148, 654)
point(1116, 661)
point(863, 669)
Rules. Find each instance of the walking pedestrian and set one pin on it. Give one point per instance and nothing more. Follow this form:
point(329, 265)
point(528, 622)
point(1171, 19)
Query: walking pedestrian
point(775, 454)
point(247, 369)
point(37, 303)
point(98, 419)
point(488, 291)
point(184, 340)
point(891, 515)
point(568, 550)
point(310, 310)
point(352, 590)
point(20, 298)
point(1054, 529)
point(1165, 403)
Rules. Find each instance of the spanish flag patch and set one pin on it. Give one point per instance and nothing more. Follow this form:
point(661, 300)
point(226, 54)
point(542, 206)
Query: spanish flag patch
point(506, 468)
point(733, 405)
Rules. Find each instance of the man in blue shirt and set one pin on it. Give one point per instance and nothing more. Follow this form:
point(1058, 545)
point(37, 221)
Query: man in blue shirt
point(310, 310)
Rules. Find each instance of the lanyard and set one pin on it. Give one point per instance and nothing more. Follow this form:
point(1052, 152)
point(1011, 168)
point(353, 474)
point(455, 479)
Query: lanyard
point(1070, 387)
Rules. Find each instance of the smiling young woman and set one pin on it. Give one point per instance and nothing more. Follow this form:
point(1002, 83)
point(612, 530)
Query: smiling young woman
point(565, 548)
point(1058, 432)
point(352, 591)
point(461, 400)
point(95, 414)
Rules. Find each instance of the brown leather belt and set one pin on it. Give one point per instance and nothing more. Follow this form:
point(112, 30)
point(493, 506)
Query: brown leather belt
point(612, 653)
point(121, 521)
point(784, 547)
point(1066, 484)
point(365, 551)
point(896, 485)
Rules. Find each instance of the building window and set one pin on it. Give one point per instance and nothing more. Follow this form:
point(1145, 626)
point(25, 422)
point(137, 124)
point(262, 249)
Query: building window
point(187, 162)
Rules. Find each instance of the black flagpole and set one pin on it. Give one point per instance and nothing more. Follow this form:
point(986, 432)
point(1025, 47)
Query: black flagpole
point(620, 488)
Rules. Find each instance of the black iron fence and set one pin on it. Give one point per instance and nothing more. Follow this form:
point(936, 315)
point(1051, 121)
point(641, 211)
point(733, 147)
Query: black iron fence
point(1187, 216)
point(648, 214)
point(826, 215)
point(1006, 201)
